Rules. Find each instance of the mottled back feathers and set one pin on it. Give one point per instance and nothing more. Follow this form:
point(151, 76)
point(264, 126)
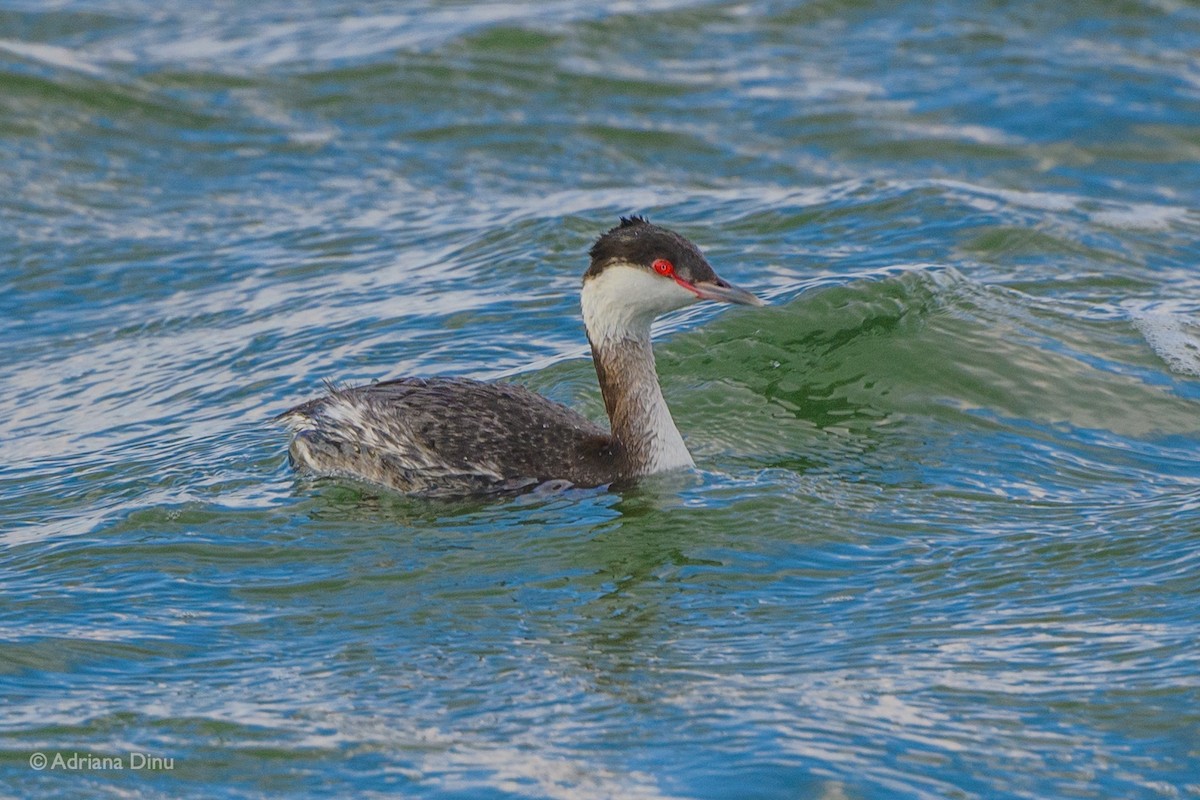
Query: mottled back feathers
point(449, 436)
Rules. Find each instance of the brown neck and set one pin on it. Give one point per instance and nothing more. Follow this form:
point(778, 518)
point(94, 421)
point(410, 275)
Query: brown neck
point(645, 435)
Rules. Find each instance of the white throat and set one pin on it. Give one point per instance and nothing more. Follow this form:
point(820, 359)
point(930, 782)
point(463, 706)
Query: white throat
point(618, 306)
point(622, 301)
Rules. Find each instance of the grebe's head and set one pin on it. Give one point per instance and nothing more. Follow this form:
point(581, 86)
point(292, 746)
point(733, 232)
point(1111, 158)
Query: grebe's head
point(640, 271)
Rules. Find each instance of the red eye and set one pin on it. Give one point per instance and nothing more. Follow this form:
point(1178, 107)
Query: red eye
point(663, 267)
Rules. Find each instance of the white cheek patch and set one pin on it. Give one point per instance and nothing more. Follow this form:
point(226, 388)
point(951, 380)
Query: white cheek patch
point(622, 301)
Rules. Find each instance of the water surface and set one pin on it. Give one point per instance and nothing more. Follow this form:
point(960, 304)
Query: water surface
point(943, 540)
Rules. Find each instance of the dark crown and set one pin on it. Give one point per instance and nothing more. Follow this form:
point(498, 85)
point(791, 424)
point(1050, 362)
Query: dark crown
point(638, 242)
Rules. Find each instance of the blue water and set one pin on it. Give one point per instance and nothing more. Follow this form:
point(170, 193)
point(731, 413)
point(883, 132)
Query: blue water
point(943, 540)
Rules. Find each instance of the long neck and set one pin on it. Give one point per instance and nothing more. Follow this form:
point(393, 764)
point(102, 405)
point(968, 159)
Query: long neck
point(646, 436)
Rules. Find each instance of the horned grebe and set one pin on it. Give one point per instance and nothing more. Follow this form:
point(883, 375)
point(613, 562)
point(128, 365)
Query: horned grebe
point(454, 436)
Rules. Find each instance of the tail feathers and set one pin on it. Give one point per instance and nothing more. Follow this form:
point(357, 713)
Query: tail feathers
point(319, 454)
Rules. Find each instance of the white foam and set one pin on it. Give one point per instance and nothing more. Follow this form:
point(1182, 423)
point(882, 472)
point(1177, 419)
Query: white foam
point(62, 57)
point(1141, 216)
point(1174, 337)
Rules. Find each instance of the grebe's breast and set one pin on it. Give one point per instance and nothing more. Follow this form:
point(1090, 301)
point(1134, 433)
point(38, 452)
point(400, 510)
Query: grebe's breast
point(449, 436)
